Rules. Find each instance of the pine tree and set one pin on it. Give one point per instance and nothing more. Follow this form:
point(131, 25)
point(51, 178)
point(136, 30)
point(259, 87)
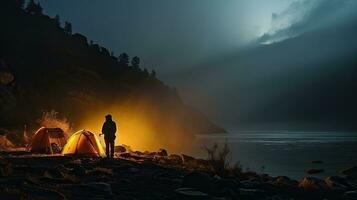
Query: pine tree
point(68, 28)
point(124, 59)
point(31, 7)
point(135, 62)
point(57, 20)
point(38, 9)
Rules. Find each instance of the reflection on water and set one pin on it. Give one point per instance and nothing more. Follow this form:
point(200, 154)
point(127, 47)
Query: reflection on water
point(290, 153)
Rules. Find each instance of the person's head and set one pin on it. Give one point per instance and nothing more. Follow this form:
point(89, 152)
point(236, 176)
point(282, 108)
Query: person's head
point(108, 117)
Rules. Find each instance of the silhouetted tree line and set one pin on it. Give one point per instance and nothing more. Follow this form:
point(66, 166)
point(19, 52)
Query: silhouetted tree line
point(55, 68)
point(34, 8)
point(50, 58)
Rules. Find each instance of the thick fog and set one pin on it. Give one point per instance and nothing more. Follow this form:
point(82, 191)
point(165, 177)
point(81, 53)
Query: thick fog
point(247, 64)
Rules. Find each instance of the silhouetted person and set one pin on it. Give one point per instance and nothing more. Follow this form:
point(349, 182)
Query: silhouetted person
point(109, 129)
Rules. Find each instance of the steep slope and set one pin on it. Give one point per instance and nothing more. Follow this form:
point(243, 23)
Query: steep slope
point(306, 80)
point(44, 67)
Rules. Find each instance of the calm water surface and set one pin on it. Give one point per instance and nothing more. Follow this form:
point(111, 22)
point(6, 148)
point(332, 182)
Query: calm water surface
point(289, 153)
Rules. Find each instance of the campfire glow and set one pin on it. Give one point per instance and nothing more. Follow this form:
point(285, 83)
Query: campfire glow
point(136, 128)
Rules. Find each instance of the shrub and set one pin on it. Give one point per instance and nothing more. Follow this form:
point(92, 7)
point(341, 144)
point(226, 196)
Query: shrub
point(219, 160)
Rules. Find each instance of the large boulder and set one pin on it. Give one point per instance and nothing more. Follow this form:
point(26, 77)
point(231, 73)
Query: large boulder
point(190, 162)
point(187, 159)
point(119, 149)
point(175, 159)
point(351, 172)
point(162, 152)
point(337, 183)
point(312, 184)
point(284, 181)
point(200, 181)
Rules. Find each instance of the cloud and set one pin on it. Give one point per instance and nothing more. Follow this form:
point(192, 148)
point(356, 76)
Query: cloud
point(308, 15)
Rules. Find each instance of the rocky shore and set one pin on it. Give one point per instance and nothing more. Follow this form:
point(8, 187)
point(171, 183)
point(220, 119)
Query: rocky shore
point(153, 175)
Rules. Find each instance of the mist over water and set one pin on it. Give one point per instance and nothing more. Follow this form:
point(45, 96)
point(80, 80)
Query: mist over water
point(289, 153)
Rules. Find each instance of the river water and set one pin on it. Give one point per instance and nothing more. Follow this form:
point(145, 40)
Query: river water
point(289, 153)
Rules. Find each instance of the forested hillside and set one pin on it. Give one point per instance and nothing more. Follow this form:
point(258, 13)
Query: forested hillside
point(45, 66)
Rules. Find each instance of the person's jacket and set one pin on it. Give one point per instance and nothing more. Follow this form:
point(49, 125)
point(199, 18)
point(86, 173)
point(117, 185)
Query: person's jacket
point(109, 129)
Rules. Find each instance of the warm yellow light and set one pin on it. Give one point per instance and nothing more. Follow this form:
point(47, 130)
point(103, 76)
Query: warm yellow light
point(138, 128)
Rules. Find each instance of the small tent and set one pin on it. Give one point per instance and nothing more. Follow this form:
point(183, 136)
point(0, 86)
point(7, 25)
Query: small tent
point(83, 143)
point(48, 141)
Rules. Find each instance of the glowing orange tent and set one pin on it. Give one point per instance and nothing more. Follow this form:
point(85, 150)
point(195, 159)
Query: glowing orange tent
point(83, 143)
point(48, 141)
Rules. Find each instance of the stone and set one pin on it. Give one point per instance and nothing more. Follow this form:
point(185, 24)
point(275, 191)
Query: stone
point(312, 183)
point(284, 181)
point(119, 149)
point(162, 152)
point(191, 193)
point(191, 162)
point(139, 153)
point(350, 195)
point(187, 159)
point(175, 159)
point(62, 168)
point(351, 172)
point(336, 183)
point(314, 171)
point(53, 173)
point(199, 180)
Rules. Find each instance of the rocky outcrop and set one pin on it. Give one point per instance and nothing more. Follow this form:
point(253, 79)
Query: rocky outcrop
point(149, 176)
point(351, 172)
point(312, 184)
point(337, 183)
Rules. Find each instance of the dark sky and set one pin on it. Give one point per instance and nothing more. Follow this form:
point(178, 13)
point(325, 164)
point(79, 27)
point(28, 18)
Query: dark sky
point(240, 61)
point(168, 35)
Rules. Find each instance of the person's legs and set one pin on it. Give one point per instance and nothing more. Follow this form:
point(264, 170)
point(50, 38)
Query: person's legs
point(112, 148)
point(107, 148)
